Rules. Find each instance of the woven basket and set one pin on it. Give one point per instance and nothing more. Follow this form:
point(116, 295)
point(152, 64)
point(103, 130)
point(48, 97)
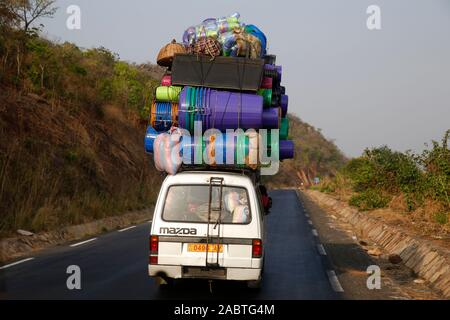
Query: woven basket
point(166, 54)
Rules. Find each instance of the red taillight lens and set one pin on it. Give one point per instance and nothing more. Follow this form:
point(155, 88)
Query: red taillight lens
point(153, 260)
point(154, 245)
point(257, 248)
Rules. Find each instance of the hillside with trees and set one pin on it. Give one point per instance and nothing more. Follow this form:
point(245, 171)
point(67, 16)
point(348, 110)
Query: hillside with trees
point(315, 157)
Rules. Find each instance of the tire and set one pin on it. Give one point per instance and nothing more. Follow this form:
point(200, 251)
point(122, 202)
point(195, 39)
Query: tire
point(254, 284)
point(165, 283)
point(257, 284)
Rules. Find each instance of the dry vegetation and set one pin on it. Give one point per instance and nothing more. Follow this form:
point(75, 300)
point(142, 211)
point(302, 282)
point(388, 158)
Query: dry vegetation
point(404, 188)
point(61, 166)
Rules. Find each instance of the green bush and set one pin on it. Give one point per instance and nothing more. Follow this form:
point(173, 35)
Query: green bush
point(362, 173)
point(369, 199)
point(381, 173)
point(441, 217)
point(436, 163)
point(387, 171)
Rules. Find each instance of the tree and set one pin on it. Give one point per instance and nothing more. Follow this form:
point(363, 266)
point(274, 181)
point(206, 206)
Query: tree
point(7, 17)
point(27, 11)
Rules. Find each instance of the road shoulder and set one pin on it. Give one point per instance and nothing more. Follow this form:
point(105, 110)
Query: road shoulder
point(349, 256)
point(21, 246)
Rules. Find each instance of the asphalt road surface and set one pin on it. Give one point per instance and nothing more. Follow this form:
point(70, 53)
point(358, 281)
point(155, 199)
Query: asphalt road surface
point(114, 266)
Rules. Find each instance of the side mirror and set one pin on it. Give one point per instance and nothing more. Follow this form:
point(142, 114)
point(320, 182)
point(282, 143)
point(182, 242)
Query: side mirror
point(268, 207)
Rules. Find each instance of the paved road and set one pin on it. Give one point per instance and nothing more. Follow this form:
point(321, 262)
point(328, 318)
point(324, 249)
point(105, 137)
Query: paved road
point(114, 266)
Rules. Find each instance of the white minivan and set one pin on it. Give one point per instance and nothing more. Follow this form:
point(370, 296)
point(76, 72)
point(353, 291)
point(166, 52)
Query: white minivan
point(208, 225)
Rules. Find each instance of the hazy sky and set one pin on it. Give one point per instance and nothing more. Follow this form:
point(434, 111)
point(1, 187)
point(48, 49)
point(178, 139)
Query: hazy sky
point(362, 88)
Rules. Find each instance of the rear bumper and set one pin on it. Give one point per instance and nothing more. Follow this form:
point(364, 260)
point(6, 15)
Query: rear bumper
point(178, 272)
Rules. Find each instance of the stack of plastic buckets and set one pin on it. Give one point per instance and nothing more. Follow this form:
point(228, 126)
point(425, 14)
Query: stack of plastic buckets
point(163, 113)
point(275, 99)
point(185, 106)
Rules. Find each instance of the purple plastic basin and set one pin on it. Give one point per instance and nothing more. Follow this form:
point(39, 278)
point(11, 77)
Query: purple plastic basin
point(230, 110)
point(286, 149)
point(222, 110)
point(270, 118)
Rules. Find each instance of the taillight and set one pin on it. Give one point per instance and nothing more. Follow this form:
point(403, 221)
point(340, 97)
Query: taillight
point(257, 248)
point(154, 245)
point(153, 260)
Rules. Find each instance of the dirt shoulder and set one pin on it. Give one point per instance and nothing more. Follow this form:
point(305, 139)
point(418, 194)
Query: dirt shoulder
point(418, 222)
point(400, 280)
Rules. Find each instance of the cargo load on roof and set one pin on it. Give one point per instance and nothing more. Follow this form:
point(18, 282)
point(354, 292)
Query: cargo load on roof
point(219, 78)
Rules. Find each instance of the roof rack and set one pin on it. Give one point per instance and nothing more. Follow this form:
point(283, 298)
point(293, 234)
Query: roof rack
point(255, 175)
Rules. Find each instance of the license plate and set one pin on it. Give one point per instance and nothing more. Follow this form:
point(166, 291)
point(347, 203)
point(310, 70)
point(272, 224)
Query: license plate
point(200, 247)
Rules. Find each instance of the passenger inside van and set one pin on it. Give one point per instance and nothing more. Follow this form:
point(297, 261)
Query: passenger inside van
point(191, 204)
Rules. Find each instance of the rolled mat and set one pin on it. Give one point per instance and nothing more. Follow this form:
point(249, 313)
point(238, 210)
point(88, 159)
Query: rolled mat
point(284, 129)
point(270, 118)
point(284, 104)
point(267, 83)
point(286, 149)
point(273, 71)
point(219, 109)
point(149, 140)
point(280, 72)
point(168, 94)
point(166, 81)
point(276, 97)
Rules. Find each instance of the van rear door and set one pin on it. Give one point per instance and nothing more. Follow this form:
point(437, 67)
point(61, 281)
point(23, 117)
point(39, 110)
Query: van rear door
point(205, 225)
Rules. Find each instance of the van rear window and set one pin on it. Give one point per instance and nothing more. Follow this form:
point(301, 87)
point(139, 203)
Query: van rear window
point(190, 203)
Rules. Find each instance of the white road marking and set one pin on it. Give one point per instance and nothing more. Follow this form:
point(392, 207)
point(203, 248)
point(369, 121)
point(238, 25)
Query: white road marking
point(315, 233)
point(125, 229)
point(16, 263)
point(83, 242)
point(321, 249)
point(334, 281)
point(310, 222)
